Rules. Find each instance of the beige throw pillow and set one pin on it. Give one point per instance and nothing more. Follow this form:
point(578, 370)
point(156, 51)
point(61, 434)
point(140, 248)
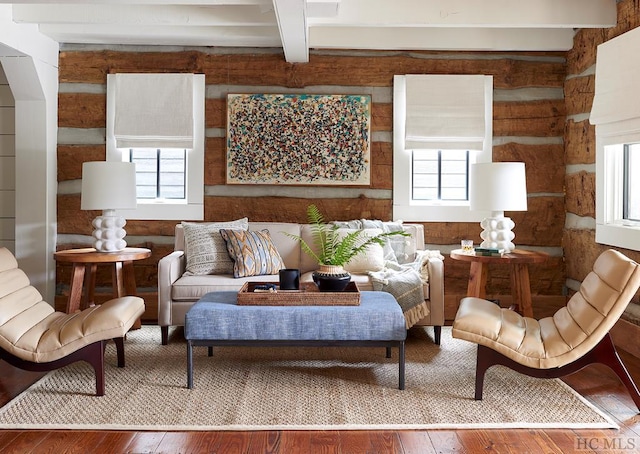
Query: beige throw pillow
point(372, 259)
point(205, 248)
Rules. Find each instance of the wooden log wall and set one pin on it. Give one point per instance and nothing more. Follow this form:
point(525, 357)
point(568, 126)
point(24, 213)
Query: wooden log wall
point(580, 247)
point(529, 123)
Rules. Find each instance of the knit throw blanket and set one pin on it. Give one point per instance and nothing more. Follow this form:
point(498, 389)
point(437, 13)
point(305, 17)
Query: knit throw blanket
point(405, 282)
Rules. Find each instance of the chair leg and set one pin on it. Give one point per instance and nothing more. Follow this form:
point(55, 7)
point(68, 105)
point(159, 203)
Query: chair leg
point(95, 357)
point(483, 362)
point(164, 334)
point(119, 341)
point(606, 353)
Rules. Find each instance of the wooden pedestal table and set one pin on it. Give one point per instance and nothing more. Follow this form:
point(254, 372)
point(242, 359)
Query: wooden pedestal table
point(83, 274)
point(518, 260)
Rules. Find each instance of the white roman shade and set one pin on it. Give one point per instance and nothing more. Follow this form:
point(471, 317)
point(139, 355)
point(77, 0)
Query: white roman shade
point(617, 80)
point(447, 111)
point(154, 110)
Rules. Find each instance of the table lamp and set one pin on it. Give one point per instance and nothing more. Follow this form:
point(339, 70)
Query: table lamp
point(498, 187)
point(108, 186)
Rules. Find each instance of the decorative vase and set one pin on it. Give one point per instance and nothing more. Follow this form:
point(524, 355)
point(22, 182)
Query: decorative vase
point(331, 278)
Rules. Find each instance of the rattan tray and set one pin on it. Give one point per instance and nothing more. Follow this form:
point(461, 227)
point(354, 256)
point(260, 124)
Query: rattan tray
point(308, 295)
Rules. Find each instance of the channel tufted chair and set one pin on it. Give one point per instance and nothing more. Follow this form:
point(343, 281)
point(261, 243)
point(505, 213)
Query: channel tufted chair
point(35, 337)
point(575, 336)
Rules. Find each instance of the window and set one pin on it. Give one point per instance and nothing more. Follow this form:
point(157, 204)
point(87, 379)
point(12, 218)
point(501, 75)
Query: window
point(616, 115)
point(160, 173)
point(442, 125)
point(617, 195)
point(440, 176)
point(169, 175)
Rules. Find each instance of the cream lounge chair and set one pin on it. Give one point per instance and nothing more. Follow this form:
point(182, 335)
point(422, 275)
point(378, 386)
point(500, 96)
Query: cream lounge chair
point(575, 336)
point(35, 337)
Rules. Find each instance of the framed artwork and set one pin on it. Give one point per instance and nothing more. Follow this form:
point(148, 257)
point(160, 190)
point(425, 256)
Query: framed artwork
point(298, 139)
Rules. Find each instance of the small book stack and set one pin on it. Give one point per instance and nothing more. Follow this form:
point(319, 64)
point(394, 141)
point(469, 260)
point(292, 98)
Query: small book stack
point(489, 252)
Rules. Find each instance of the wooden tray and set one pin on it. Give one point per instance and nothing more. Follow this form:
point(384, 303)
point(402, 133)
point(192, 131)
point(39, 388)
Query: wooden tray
point(308, 295)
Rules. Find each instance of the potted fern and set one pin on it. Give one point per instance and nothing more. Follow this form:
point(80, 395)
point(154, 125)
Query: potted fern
point(333, 250)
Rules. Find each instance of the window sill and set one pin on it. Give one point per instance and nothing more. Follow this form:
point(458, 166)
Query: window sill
point(624, 236)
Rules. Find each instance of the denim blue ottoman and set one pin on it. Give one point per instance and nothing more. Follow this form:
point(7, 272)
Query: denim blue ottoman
point(216, 320)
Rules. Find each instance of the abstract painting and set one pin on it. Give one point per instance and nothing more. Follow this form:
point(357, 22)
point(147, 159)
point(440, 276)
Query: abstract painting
point(298, 139)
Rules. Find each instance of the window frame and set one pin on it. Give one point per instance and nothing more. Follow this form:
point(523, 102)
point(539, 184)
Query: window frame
point(610, 227)
point(192, 208)
point(404, 206)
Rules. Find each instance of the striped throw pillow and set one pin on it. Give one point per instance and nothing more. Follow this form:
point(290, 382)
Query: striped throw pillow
point(253, 252)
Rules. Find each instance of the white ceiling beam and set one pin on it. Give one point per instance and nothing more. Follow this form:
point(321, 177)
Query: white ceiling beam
point(292, 23)
point(164, 35)
point(468, 39)
point(183, 15)
point(141, 2)
point(322, 8)
point(474, 13)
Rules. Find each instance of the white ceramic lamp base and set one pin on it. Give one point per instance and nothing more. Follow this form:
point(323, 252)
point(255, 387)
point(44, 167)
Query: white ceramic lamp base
point(109, 232)
point(497, 233)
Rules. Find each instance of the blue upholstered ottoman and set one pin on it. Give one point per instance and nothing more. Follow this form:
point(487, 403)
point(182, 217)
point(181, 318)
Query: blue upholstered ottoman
point(216, 320)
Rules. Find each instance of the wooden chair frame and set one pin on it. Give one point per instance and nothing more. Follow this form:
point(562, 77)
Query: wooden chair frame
point(604, 353)
point(92, 353)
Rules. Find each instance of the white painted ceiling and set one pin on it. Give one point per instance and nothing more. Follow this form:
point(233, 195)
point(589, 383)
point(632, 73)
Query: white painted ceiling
point(299, 25)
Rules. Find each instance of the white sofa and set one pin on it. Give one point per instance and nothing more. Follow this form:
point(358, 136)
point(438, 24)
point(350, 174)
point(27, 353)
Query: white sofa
point(177, 292)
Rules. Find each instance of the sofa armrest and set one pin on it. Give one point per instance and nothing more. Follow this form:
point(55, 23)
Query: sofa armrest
point(435, 267)
point(170, 269)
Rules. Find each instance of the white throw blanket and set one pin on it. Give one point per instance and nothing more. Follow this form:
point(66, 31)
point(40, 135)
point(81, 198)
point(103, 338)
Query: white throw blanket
point(405, 282)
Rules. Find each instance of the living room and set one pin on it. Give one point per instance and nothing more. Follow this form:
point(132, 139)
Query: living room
point(541, 107)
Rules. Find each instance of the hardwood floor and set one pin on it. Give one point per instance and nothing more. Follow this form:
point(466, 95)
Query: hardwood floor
point(597, 383)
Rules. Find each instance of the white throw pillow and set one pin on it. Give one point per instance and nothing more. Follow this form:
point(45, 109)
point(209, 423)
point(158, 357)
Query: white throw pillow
point(372, 259)
point(205, 248)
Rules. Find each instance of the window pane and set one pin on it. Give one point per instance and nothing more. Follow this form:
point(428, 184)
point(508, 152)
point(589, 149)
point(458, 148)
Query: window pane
point(160, 173)
point(425, 193)
point(632, 189)
point(439, 175)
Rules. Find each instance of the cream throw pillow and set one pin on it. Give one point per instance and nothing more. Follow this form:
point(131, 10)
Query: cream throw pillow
point(205, 248)
point(372, 259)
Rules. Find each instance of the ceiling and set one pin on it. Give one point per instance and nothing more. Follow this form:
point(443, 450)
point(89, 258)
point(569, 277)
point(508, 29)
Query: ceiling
point(297, 26)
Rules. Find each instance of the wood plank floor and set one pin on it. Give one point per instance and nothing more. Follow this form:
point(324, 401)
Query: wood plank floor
point(597, 383)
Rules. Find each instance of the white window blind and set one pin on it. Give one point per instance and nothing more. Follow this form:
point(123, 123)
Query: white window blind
point(447, 111)
point(154, 110)
point(616, 115)
point(617, 78)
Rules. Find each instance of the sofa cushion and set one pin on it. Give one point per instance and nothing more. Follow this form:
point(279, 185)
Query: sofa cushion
point(191, 288)
point(205, 249)
point(253, 253)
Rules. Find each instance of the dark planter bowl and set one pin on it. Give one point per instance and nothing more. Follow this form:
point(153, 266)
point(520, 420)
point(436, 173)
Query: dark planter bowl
point(331, 282)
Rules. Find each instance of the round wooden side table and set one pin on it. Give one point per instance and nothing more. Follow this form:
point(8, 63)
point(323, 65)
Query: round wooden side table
point(518, 260)
point(85, 263)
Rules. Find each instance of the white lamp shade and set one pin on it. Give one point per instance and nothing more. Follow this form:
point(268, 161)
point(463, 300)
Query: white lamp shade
point(498, 186)
point(108, 185)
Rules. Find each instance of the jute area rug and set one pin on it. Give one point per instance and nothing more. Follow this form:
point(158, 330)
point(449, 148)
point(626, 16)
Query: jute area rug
point(296, 388)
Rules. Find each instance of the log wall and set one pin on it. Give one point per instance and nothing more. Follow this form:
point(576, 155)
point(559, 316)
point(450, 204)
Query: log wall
point(529, 124)
point(580, 248)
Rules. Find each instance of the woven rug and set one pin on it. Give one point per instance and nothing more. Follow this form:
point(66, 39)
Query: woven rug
point(296, 388)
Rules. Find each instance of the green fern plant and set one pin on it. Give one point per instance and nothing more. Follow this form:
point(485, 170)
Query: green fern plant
point(333, 248)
